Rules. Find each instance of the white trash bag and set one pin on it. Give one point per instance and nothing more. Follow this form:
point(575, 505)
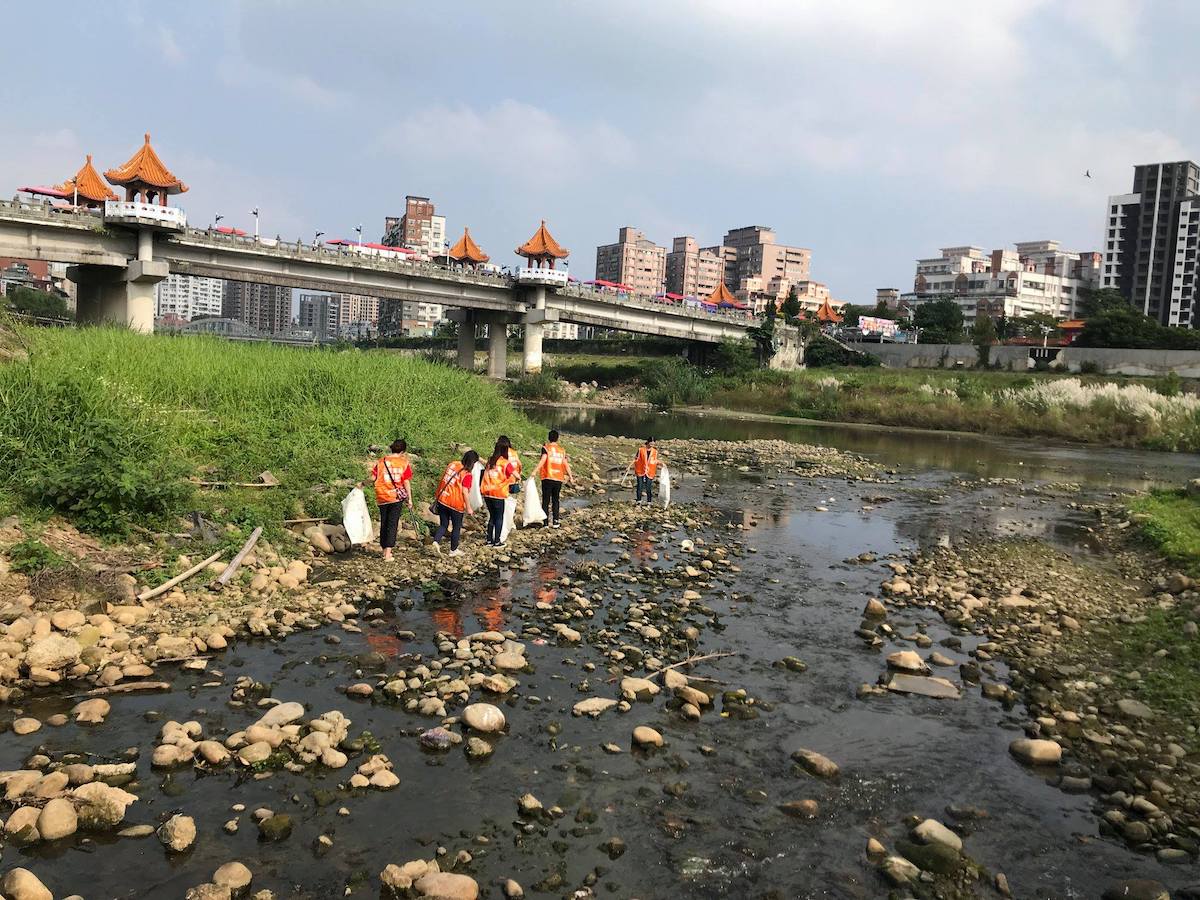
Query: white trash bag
point(664, 486)
point(474, 497)
point(510, 512)
point(531, 512)
point(356, 518)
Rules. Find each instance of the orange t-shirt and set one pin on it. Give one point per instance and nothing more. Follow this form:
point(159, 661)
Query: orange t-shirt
point(392, 473)
point(646, 462)
point(452, 489)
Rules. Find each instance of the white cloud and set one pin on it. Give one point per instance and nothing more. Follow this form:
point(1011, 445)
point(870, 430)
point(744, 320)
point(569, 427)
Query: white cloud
point(510, 140)
point(41, 158)
point(236, 71)
point(168, 46)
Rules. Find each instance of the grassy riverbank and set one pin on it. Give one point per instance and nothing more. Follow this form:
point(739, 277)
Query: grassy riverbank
point(1159, 414)
point(1170, 522)
point(107, 426)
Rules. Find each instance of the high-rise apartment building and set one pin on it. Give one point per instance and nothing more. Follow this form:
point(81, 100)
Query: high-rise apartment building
point(409, 317)
point(420, 228)
point(1036, 277)
point(188, 297)
point(320, 314)
point(692, 271)
point(634, 260)
point(1150, 242)
point(330, 316)
point(263, 307)
point(752, 252)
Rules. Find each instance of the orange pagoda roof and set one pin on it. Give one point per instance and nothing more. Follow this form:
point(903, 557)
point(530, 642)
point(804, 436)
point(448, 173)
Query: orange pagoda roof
point(467, 249)
point(88, 183)
point(543, 246)
point(144, 167)
point(721, 294)
point(826, 313)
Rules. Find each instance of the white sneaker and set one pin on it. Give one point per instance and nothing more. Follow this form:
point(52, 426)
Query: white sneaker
point(455, 553)
point(556, 525)
point(437, 548)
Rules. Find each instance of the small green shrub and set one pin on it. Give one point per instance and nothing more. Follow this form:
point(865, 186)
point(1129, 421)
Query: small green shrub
point(535, 386)
point(1089, 367)
point(1169, 385)
point(822, 352)
point(673, 382)
point(31, 556)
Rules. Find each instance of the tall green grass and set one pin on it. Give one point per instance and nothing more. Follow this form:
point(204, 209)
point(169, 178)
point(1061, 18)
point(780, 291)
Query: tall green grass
point(106, 425)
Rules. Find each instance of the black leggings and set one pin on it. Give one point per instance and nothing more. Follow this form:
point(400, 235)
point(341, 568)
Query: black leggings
point(551, 493)
point(389, 523)
point(495, 526)
point(448, 520)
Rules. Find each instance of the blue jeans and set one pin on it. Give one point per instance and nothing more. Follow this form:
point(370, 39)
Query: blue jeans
point(448, 520)
point(644, 483)
point(495, 525)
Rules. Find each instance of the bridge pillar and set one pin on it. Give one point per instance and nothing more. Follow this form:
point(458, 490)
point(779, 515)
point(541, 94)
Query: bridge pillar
point(108, 294)
point(497, 364)
point(466, 341)
point(535, 321)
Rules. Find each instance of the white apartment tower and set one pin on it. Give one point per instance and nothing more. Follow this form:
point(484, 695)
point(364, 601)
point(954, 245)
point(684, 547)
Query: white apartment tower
point(188, 297)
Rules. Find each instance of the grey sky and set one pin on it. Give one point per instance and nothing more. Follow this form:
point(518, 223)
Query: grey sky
point(872, 132)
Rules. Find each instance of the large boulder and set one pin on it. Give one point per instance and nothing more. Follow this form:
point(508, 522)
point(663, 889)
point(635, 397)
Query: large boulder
point(178, 833)
point(484, 717)
point(21, 884)
point(57, 651)
point(57, 820)
point(100, 806)
point(447, 886)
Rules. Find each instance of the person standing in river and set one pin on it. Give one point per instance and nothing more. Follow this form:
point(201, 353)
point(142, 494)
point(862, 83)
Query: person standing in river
point(392, 475)
point(450, 502)
point(645, 467)
point(495, 484)
point(554, 468)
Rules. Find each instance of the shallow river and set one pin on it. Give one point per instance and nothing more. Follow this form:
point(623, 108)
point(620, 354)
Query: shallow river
point(696, 822)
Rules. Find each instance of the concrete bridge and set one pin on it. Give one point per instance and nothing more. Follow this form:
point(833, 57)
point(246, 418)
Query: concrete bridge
point(119, 254)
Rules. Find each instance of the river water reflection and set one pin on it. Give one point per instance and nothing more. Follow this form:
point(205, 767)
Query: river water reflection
point(909, 449)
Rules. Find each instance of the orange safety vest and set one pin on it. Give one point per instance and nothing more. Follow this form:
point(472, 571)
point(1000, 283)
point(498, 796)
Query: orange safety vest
point(451, 492)
point(553, 464)
point(646, 462)
point(389, 478)
point(516, 463)
point(495, 481)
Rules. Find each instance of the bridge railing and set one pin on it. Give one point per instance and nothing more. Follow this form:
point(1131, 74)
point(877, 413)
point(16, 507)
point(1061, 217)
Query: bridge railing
point(42, 210)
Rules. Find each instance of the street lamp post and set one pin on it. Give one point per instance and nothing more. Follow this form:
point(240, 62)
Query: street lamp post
point(254, 212)
point(359, 230)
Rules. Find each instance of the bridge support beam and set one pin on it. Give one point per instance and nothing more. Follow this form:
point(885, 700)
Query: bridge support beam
point(535, 320)
point(112, 295)
point(497, 362)
point(466, 337)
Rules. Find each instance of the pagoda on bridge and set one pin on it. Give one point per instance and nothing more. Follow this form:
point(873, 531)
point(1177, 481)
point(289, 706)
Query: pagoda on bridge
point(87, 188)
point(827, 314)
point(722, 297)
point(542, 248)
point(145, 175)
point(467, 251)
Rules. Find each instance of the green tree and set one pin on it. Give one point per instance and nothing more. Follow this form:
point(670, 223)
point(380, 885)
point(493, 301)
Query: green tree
point(1094, 301)
point(36, 303)
point(763, 335)
point(983, 335)
point(791, 307)
point(940, 321)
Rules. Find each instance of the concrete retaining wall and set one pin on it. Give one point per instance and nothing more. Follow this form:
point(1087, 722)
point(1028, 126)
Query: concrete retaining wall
point(1185, 363)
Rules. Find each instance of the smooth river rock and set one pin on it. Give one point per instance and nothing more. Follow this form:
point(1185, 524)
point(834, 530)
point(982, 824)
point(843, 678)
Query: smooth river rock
point(484, 717)
point(21, 884)
point(816, 764)
point(1036, 752)
point(57, 820)
point(447, 886)
point(178, 833)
